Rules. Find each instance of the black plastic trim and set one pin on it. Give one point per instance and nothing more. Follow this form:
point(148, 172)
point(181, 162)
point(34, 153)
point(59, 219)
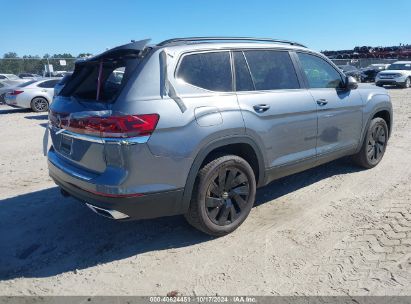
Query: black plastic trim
point(201, 156)
point(147, 206)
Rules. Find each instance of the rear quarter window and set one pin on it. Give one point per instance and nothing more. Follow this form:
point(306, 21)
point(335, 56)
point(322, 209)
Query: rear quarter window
point(48, 84)
point(210, 71)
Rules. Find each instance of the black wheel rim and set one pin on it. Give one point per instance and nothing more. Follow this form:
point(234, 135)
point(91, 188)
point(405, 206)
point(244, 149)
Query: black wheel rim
point(227, 196)
point(376, 144)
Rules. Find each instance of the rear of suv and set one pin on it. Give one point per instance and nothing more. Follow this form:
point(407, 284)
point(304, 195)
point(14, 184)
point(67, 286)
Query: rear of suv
point(195, 125)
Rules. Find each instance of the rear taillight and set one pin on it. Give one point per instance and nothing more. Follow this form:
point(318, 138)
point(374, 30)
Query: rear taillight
point(16, 92)
point(112, 126)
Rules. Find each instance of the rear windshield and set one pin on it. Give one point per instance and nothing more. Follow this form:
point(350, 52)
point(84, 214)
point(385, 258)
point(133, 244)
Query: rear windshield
point(25, 84)
point(99, 80)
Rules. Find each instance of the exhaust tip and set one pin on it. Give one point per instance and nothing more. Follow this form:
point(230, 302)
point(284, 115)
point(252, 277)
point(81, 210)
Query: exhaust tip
point(112, 214)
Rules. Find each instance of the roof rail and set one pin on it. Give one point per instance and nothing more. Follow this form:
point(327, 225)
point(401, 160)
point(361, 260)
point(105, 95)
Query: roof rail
point(195, 39)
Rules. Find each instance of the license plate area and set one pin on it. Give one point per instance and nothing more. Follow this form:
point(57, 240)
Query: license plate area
point(66, 145)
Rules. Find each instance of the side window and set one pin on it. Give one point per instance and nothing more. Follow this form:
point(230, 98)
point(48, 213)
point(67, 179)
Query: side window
point(48, 84)
point(319, 73)
point(211, 71)
point(272, 70)
point(243, 81)
point(2, 77)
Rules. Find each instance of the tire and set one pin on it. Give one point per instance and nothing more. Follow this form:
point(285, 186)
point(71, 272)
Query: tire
point(223, 195)
point(39, 104)
point(374, 145)
point(407, 83)
point(2, 100)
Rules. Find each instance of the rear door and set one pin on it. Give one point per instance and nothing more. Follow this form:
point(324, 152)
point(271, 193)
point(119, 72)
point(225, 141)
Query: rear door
point(339, 110)
point(47, 87)
point(276, 109)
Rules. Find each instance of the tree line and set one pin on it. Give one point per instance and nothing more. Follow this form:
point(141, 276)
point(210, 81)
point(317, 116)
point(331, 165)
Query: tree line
point(11, 63)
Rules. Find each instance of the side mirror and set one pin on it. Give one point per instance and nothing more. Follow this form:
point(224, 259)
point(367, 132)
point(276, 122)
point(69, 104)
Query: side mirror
point(351, 83)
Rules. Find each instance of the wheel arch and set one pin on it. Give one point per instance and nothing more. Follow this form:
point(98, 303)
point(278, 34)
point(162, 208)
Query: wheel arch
point(242, 146)
point(382, 112)
point(40, 96)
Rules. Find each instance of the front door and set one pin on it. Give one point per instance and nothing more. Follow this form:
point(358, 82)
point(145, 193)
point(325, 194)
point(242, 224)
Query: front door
point(339, 109)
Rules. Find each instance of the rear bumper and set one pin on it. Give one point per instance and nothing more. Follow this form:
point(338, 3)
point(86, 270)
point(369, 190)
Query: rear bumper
point(12, 102)
point(141, 206)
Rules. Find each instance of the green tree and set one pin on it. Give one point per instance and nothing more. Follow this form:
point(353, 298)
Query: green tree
point(9, 63)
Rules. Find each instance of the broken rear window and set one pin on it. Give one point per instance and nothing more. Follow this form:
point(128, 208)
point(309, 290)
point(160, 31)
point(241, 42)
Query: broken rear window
point(99, 80)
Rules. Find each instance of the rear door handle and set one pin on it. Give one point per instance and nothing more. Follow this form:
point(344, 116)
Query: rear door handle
point(322, 102)
point(261, 108)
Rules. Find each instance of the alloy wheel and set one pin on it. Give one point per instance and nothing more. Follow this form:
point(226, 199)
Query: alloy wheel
point(227, 196)
point(40, 104)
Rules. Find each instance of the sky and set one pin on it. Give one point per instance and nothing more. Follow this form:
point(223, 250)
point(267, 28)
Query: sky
point(91, 26)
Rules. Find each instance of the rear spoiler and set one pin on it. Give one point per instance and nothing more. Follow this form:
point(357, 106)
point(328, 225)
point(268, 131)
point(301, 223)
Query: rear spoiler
point(134, 47)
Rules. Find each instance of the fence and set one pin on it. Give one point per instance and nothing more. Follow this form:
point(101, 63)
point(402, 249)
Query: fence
point(35, 65)
point(363, 62)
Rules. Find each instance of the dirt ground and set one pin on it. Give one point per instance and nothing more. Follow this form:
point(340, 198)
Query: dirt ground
point(332, 230)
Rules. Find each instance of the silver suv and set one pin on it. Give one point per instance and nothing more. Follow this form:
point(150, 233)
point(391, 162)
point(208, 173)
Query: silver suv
point(195, 125)
point(398, 74)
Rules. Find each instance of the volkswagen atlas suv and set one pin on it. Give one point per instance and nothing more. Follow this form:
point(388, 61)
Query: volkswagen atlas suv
point(196, 125)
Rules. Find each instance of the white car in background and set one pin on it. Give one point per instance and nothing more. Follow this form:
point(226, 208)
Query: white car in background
point(35, 94)
point(398, 74)
point(379, 66)
point(9, 77)
point(7, 86)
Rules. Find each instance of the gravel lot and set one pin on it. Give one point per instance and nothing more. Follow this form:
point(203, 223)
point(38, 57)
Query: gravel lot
point(332, 230)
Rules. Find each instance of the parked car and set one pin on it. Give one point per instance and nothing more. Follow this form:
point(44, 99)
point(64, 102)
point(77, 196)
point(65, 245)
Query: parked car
point(7, 86)
point(369, 73)
point(379, 66)
point(35, 94)
point(8, 77)
point(28, 76)
point(350, 70)
point(61, 73)
point(59, 86)
point(198, 124)
point(398, 74)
